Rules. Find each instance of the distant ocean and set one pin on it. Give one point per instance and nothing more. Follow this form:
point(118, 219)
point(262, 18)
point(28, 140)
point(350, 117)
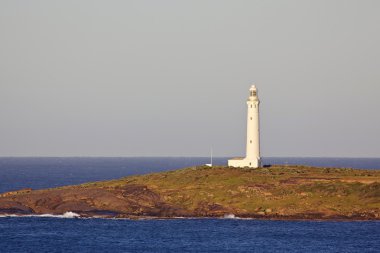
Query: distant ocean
point(59, 234)
point(42, 172)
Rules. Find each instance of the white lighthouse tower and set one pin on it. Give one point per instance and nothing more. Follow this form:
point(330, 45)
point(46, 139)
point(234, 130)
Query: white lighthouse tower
point(252, 158)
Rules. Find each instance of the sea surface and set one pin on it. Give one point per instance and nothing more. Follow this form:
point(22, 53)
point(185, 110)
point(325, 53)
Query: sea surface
point(42, 172)
point(66, 233)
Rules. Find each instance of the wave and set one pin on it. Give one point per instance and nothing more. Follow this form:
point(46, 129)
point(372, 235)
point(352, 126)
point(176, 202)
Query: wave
point(230, 216)
point(72, 215)
point(66, 215)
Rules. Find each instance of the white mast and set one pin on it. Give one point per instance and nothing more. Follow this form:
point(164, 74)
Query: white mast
point(211, 157)
point(210, 164)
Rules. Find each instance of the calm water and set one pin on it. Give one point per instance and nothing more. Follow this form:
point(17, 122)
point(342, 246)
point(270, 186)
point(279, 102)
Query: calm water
point(38, 173)
point(37, 234)
point(208, 235)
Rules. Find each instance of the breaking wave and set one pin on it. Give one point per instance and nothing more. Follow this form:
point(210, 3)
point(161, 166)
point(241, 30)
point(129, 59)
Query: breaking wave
point(66, 215)
point(233, 217)
point(71, 215)
point(230, 216)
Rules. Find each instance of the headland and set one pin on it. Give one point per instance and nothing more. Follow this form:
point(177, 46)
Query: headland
point(277, 192)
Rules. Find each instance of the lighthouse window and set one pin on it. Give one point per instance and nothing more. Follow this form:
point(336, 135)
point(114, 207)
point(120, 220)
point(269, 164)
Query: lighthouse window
point(250, 141)
point(251, 106)
point(251, 118)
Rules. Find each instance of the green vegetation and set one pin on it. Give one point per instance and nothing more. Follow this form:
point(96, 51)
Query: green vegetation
point(277, 190)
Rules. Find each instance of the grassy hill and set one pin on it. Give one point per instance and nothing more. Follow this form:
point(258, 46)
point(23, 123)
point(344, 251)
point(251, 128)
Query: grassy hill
point(277, 192)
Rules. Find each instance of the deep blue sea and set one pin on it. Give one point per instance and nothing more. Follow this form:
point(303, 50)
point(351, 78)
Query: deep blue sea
point(58, 234)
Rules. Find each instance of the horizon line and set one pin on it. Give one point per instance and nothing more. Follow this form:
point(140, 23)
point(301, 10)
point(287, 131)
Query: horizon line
point(92, 156)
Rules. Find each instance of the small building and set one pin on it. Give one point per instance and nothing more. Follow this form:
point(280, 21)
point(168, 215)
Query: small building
point(252, 158)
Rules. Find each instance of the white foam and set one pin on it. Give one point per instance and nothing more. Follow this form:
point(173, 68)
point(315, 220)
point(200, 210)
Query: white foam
point(70, 215)
point(230, 216)
point(8, 215)
point(66, 215)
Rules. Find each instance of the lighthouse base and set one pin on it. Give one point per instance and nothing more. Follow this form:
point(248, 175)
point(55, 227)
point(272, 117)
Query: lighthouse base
point(244, 162)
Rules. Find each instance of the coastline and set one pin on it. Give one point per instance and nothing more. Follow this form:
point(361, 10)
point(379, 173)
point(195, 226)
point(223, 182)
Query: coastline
point(138, 218)
point(292, 193)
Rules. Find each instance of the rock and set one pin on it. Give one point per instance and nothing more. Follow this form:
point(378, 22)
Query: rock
point(12, 193)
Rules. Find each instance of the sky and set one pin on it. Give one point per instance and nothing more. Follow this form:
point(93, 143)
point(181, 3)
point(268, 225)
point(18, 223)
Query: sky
point(171, 78)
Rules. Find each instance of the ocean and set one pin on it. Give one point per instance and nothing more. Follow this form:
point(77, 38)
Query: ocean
point(69, 234)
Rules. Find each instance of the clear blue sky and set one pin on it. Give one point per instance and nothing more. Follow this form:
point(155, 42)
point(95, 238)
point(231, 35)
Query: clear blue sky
point(170, 78)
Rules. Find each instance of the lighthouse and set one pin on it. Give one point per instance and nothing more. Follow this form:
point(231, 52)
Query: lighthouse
point(252, 158)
